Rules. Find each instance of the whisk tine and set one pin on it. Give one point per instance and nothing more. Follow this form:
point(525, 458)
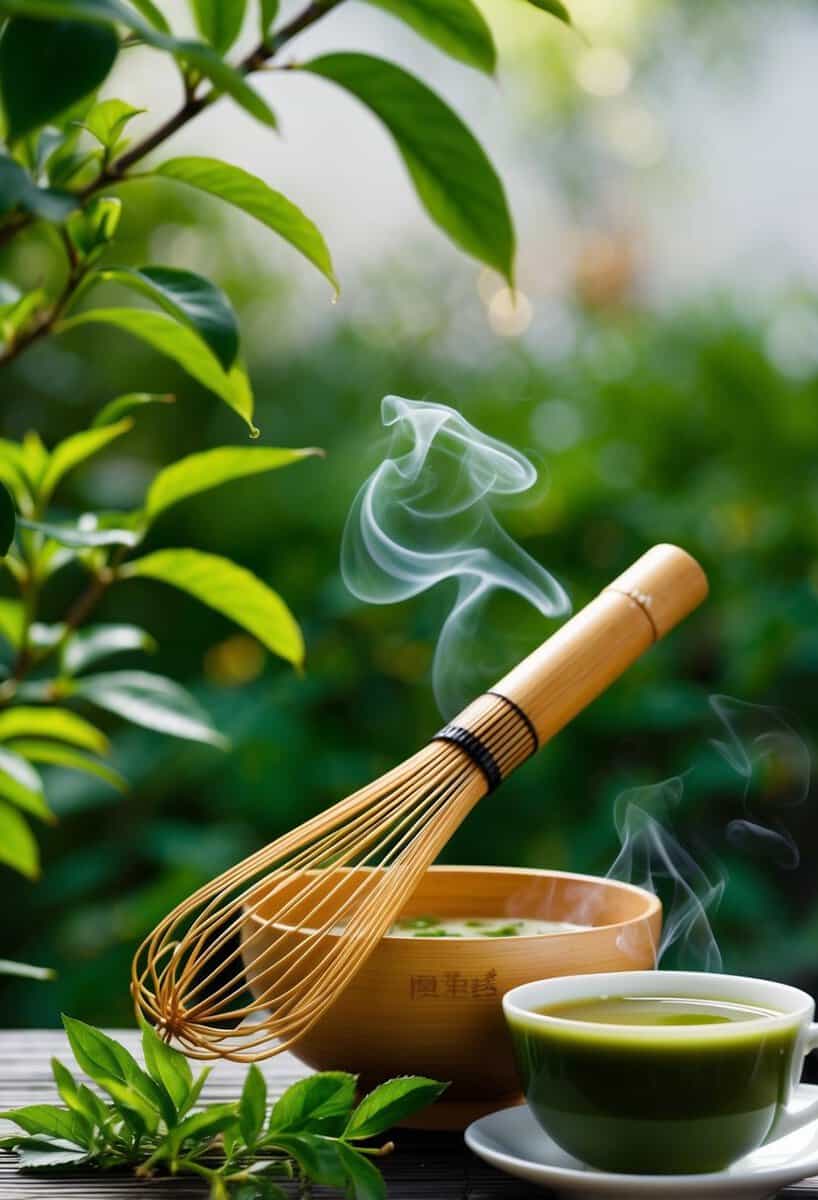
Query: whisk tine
point(251, 961)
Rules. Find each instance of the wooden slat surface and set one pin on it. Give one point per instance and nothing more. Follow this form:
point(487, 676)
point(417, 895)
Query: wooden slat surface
point(424, 1167)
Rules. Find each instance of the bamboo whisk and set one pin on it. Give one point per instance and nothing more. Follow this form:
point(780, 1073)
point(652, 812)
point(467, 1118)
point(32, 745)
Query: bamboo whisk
point(305, 912)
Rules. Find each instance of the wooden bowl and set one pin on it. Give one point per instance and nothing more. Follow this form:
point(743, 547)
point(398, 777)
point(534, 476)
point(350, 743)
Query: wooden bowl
point(431, 1006)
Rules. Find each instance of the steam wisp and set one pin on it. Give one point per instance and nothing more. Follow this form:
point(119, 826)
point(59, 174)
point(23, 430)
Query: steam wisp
point(654, 859)
point(768, 768)
point(424, 516)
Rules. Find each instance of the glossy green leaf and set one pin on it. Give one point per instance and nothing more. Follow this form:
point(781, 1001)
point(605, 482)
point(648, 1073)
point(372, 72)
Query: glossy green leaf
point(83, 535)
point(127, 1098)
point(454, 179)
point(224, 78)
point(196, 54)
point(107, 120)
point(18, 849)
point(75, 450)
point(151, 701)
point(92, 228)
point(8, 520)
point(229, 589)
point(365, 1181)
point(18, 191)
point(45, 1156)
point(268, 11)
point(390, 1103)
point(152, 14)
point(318, 1156)
point(209, 1122)
point(316, 1098)
point(167, 1066)
point(21, 785)
point(26, 970)
point(56, 755)
point(455, 26)
point(555, 7)
point(13, 469)
point(199, 472)
point(252, 195)
point(189, 298)
point(51, 1120)
point(45, 66)
point(106, 1060)
point(11, 621)
point(94, 642)
point(123, 406)
point(252, 1106)
point(58, 723)
point(76, 1096)
point(219, 21)
point(182, 345)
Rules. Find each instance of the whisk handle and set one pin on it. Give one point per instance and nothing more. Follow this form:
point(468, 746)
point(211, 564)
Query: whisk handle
point(559, 679)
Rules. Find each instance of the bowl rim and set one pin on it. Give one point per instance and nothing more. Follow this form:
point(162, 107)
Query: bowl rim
point(653, 904)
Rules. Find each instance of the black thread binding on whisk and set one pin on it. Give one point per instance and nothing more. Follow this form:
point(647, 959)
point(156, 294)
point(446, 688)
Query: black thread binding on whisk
point(477, 751)
point(523, 717)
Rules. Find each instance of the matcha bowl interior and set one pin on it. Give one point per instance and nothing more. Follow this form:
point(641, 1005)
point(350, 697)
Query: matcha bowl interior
point(431, 1005)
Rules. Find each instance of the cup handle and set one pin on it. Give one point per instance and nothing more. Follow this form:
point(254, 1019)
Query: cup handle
point(793, 1115)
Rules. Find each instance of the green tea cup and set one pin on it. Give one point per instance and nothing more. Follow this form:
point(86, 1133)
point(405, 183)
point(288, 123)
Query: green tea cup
point(662, 1098)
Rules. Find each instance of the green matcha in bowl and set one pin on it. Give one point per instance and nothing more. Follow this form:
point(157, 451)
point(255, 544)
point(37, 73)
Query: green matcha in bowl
point(662, 1072)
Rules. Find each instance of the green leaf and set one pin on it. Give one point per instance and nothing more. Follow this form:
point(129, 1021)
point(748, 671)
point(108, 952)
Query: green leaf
point(167, 1066)
point(109, 1063)
point(151, 701)
point(195, 54)
point(454, 179)
point(195, 1091)
point(189, 298)
point(55, 755)
point(75, 450)
point(18, 190)
point(268, 11)
point(555, 7)
point(219, 21)
point(18, 849)
point(52, 1121)
point(26, 970)
point(83, 535)
point(252, 195)
point(77, 1096)
point(89, 645)
point(152, 14)
point(22, 785)
point(123, 406)
point(316, 1098)
point(205, 1124)
point(252, 1106)
point(199, 472)
point(229, 589)
point(318, 1157)
point(183, 346)
point(45, 66)
point(107, 120)
point(365, 1181)
point(11, 621)
point(455, 26)
point(47, 1155)
point(127, 1098)
point(58, 723)
point(8, 519)
point(390, 1103)
point(92, 228)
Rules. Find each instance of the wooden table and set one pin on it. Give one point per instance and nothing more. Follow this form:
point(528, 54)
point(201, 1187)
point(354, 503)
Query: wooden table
point(424, 1167)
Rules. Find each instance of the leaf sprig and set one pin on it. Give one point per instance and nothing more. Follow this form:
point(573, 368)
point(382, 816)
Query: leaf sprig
point(313, 1133)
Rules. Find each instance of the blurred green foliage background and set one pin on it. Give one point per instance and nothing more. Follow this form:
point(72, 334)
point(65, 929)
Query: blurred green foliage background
point(691, 420)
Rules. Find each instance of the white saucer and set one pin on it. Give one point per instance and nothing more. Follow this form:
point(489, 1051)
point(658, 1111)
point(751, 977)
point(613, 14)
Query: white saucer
point(513, 1141)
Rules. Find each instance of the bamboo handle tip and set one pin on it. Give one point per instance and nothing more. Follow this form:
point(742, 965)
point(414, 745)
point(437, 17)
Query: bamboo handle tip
point(667, 583)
